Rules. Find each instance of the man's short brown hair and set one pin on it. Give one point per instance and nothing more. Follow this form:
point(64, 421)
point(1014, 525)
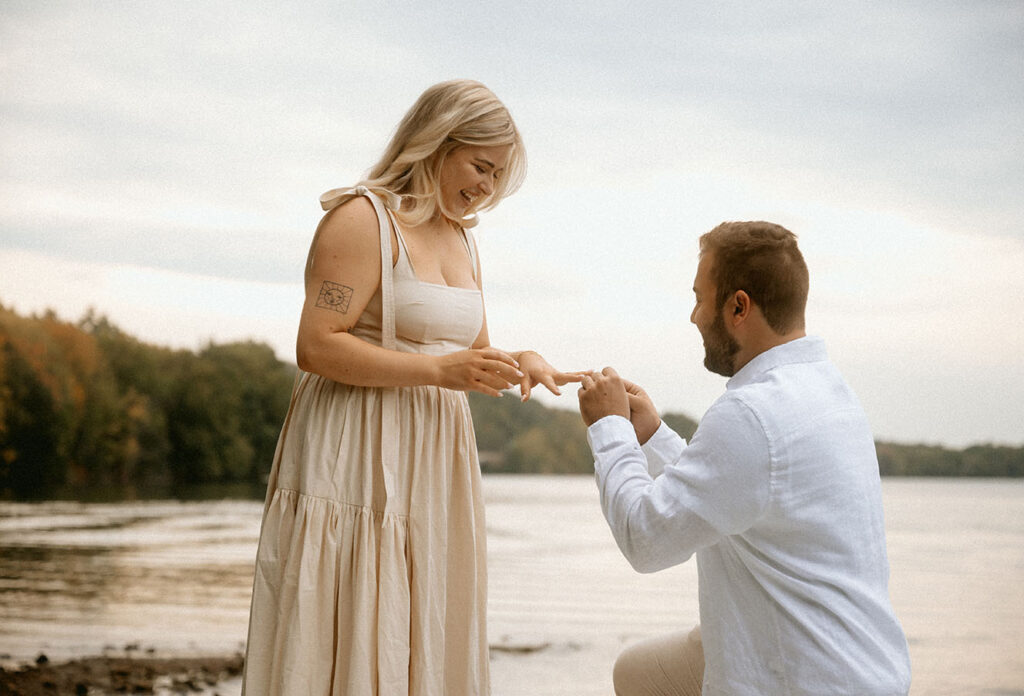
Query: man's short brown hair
point(763, 260)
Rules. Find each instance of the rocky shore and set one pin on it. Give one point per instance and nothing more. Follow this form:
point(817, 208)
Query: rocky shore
point(93, 676)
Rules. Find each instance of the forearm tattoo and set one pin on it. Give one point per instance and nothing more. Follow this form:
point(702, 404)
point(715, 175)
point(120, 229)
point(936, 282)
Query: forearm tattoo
point(334, 296)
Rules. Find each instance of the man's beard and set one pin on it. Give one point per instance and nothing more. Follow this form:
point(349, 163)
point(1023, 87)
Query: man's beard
point(720, 348)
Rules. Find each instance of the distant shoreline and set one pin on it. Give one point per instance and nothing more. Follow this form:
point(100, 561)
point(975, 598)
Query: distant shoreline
point(87, 407)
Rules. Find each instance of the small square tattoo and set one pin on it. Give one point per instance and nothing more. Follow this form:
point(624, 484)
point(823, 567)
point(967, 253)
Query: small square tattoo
point(334, 296)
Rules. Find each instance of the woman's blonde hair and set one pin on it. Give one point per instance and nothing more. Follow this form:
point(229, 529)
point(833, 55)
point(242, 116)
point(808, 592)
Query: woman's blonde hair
point(447, 116)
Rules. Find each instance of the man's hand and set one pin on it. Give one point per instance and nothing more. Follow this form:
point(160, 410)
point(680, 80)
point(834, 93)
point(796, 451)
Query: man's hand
point(642, 412)
point(603, 394)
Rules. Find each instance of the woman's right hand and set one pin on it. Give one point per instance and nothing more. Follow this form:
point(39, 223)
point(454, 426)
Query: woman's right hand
point(486, 370)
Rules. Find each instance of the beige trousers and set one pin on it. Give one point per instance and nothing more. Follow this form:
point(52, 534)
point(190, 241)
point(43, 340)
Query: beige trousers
point(671, 665)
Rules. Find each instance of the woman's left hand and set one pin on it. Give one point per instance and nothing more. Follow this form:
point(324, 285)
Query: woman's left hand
point(536, 370)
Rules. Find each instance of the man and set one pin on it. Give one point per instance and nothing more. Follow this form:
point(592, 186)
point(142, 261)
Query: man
point(777, 493)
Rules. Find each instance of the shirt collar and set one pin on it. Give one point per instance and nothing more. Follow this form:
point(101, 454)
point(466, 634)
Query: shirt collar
point(800, 350)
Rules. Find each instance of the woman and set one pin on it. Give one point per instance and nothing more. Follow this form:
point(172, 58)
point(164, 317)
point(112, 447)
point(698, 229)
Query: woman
point(370, 575)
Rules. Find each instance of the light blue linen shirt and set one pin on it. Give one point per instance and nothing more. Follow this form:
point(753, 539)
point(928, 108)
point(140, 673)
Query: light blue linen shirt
point(778, 494)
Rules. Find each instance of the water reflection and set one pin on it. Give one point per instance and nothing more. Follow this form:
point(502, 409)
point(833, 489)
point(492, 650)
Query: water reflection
point(79, 578)
point(35, 577)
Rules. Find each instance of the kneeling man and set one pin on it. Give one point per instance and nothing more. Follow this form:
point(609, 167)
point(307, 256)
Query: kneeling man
point(777, 493)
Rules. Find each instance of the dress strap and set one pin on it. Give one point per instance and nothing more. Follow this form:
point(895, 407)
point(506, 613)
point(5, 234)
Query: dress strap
point(470, 242)
point(389, 399)
point(335, 197)
point(394, 627)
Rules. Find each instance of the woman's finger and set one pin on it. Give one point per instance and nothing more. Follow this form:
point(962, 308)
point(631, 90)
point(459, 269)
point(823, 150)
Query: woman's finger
point(524, 388)
point(566, 377)
point(495, 380)
point(508, 372)
point(495, 354)
point(549, 382)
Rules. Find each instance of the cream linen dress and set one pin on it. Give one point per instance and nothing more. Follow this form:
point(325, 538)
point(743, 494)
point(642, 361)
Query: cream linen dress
point(371, 569)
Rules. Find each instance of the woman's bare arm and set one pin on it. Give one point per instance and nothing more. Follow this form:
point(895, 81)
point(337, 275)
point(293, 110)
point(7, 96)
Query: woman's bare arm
point(342, 276)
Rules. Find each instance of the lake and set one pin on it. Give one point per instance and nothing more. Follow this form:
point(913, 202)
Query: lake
point(175, 577)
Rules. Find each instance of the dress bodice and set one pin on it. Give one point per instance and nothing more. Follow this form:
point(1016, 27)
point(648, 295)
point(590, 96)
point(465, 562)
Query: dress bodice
point(429, 318)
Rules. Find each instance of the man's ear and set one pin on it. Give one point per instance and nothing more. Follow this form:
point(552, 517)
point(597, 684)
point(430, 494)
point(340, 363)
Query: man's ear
point(740, 306)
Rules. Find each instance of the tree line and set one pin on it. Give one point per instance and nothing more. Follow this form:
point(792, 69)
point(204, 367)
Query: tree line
point(86, 407)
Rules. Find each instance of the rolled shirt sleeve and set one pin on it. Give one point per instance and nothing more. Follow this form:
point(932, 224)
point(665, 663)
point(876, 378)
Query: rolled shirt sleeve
point(716, 485)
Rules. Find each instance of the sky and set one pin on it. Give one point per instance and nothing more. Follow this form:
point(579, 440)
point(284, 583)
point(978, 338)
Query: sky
point(160, 163)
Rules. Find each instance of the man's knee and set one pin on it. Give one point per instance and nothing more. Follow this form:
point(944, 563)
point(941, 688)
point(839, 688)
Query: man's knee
point(629, 671)
point(668, 665)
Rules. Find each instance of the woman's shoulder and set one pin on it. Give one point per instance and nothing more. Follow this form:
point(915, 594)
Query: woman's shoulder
point(354, 215)
point(349, 231)
point(349, 227)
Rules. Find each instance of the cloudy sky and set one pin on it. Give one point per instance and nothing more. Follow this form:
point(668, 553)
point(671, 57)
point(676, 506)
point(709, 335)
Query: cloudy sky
point(161, 162)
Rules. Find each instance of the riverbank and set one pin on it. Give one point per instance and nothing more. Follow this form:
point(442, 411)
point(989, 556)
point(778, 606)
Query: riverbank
point(130, 674)
point(162, 579)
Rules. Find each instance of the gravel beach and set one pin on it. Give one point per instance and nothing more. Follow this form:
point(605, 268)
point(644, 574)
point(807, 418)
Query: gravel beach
point(93, 676)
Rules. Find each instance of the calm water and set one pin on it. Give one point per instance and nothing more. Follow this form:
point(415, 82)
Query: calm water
point(80, 579)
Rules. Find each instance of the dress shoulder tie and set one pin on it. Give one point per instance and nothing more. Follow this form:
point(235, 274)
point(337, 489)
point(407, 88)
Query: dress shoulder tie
point(335, 197)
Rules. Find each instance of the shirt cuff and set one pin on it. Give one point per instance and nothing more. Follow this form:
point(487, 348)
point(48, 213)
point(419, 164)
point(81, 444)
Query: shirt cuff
point(662, 449)
point(608, 432)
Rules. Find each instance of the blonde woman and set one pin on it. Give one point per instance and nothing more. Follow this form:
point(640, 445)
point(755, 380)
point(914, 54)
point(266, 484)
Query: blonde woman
point(371, 575)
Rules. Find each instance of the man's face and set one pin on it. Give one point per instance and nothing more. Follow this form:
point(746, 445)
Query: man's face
point(720, 348)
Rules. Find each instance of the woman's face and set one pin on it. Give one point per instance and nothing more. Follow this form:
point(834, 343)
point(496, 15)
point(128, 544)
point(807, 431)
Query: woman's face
point(469, 174)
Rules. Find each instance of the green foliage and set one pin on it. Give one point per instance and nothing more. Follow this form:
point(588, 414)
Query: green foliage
point(85, 407)
point(47, 368)
point(516, 437)
point(29, 431)
point(683, 425)
point(228, 407)
point(931, 460)
point(530, 438)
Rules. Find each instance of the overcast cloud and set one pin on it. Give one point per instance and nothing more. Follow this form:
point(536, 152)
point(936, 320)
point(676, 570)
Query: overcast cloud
point(161, 163)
